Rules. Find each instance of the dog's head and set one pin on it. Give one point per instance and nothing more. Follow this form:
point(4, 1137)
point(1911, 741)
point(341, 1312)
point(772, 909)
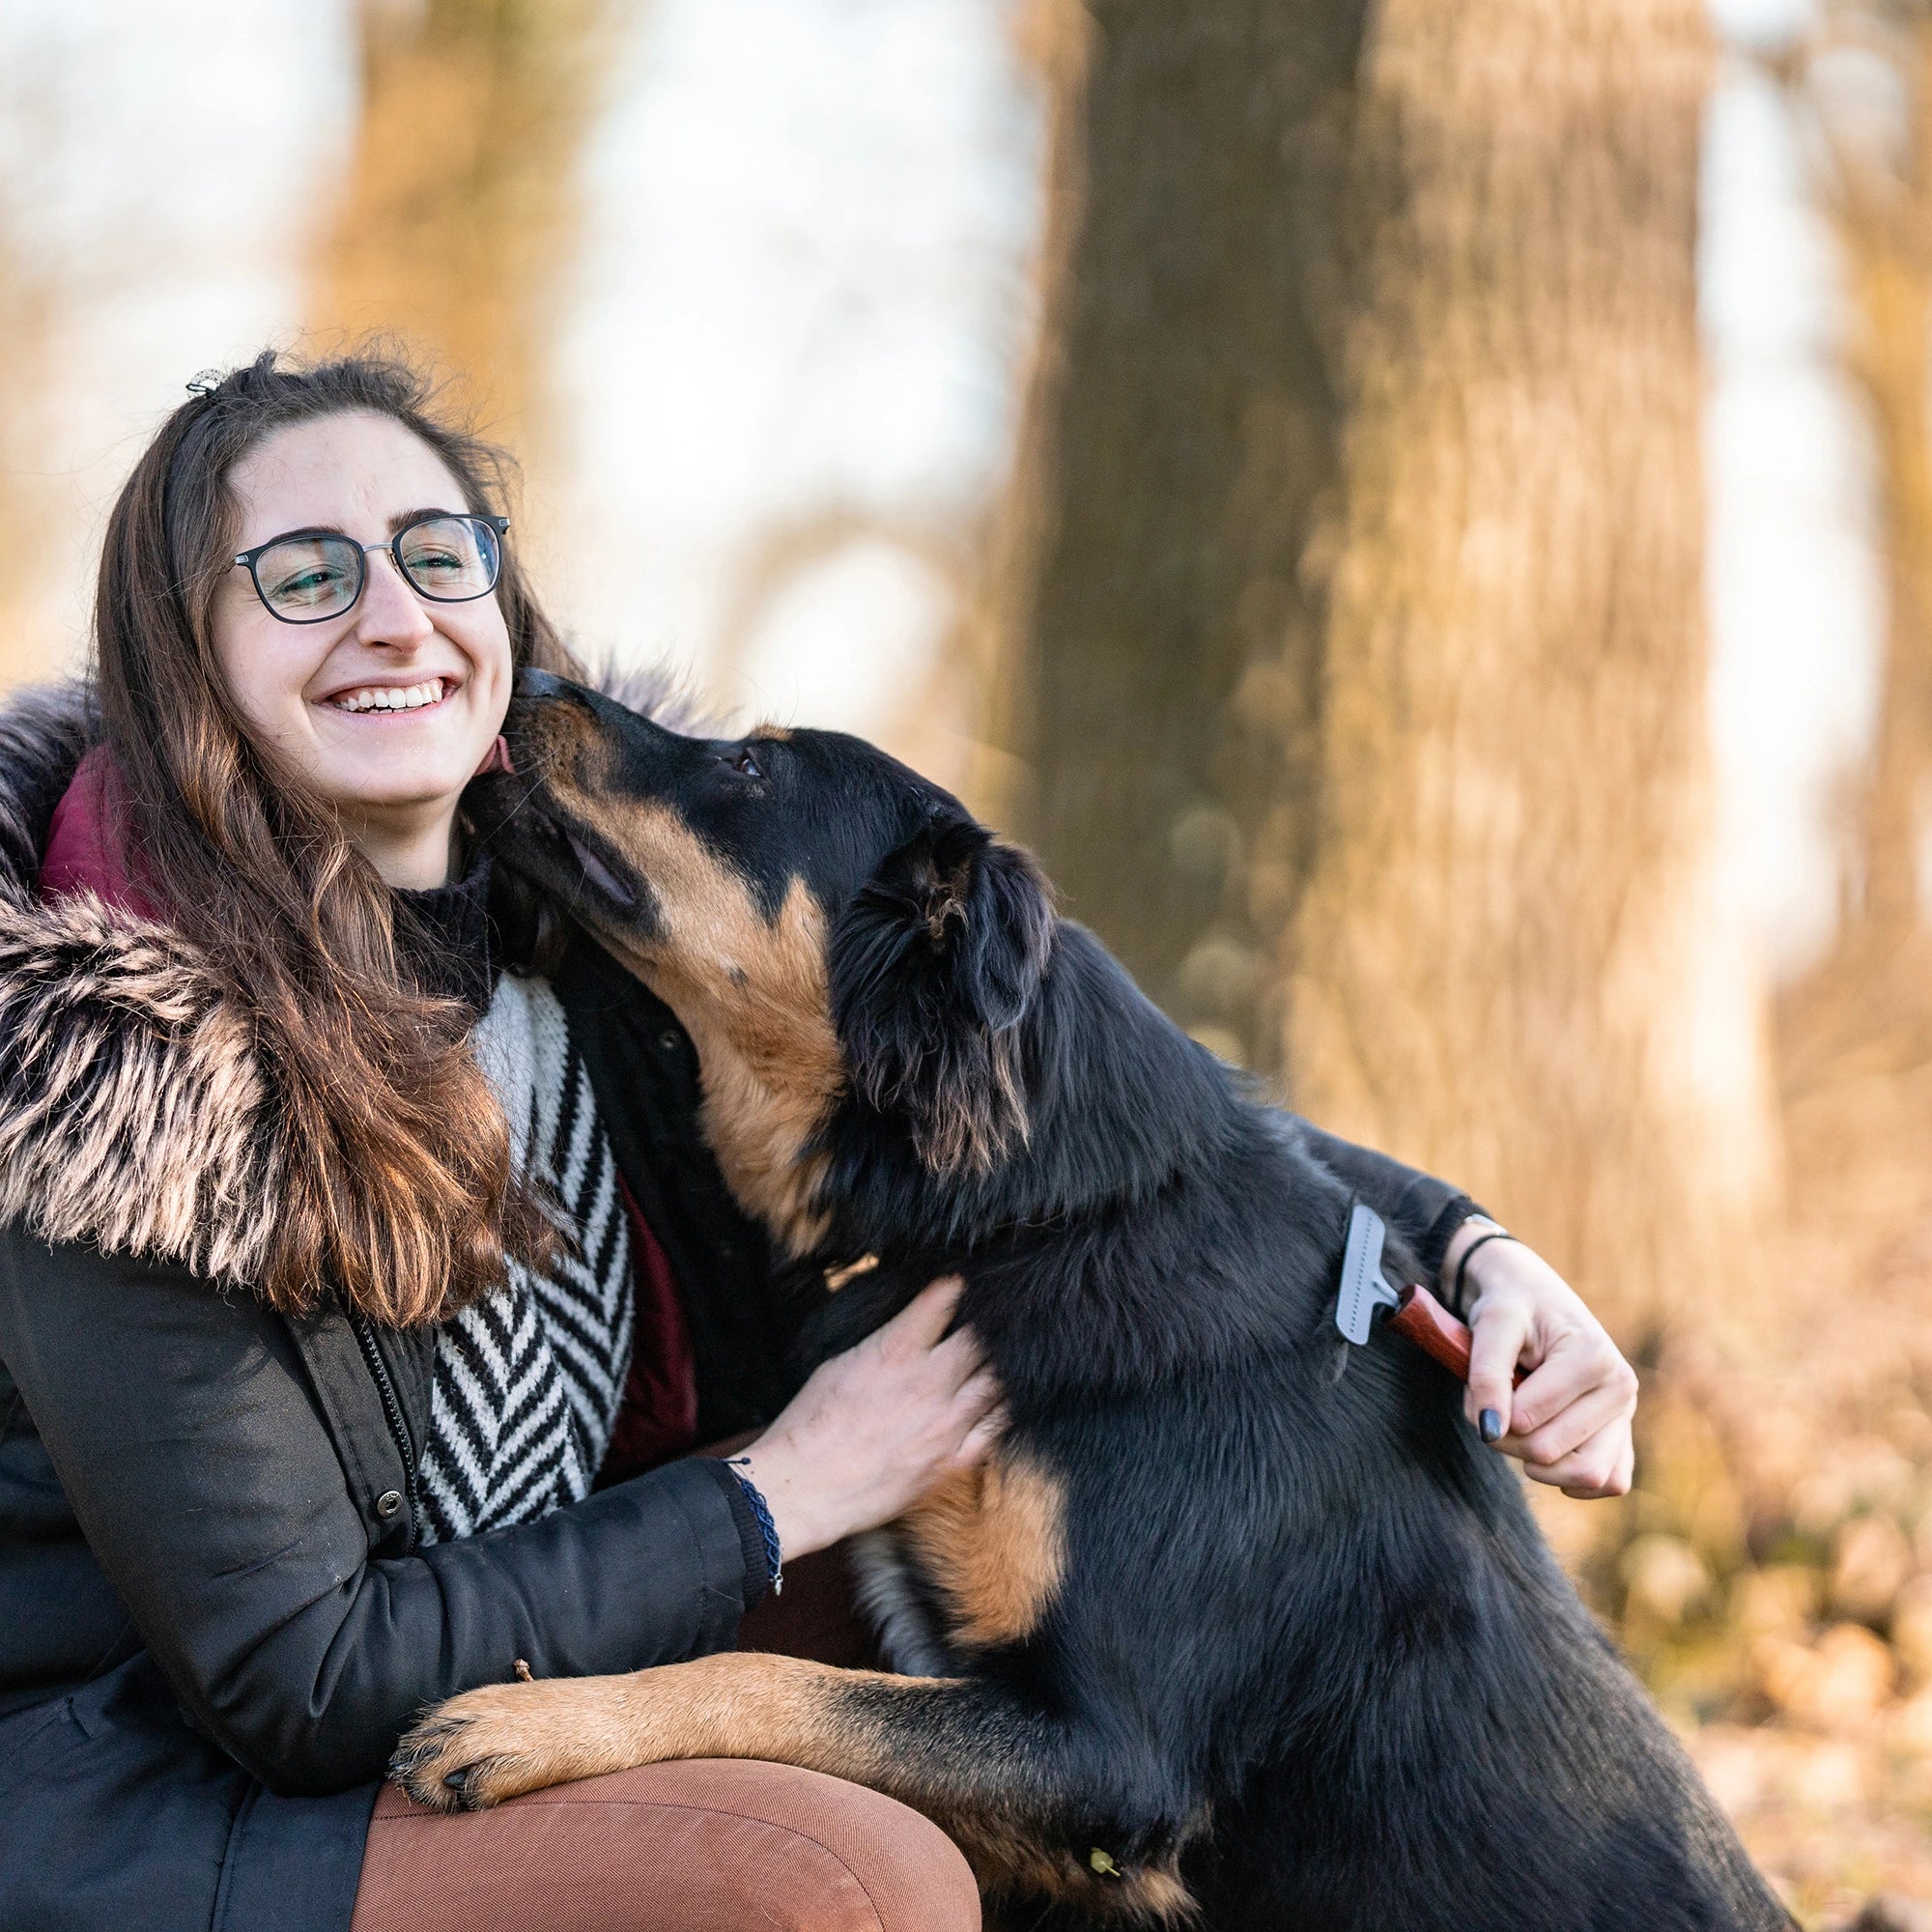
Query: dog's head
point(828, 926)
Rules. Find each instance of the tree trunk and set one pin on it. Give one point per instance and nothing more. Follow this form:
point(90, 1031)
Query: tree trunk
point(458, 214)
point(1512, 963)
point(29, 539)
point(1182, 427)
point(1857, 1026)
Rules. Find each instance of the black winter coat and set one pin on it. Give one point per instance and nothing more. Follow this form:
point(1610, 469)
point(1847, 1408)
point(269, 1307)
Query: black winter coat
point(214, 1616)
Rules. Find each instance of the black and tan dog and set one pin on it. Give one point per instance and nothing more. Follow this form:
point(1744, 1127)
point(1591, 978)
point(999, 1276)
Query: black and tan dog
point(1217, 1632)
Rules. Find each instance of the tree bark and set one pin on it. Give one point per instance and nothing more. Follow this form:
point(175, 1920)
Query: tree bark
point(28, 509)
point(1182, 425)
point(458, 214)
point(1512, 963)
point(1861, 1021)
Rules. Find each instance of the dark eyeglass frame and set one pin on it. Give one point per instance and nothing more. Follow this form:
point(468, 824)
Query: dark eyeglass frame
point(498, 526)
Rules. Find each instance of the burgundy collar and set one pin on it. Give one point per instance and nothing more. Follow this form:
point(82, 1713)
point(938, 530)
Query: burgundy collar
point(88, 848)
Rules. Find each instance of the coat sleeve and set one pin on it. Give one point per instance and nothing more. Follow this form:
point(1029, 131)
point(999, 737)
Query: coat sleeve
point(1424, 1212)
point(206, 1481)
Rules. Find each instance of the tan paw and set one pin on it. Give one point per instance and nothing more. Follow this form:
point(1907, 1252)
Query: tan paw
point(486, 1746)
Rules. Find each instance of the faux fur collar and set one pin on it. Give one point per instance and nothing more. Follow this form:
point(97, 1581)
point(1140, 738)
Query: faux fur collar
point(135, 1110)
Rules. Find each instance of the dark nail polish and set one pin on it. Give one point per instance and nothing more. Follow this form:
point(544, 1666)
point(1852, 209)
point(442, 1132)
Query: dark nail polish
point(1491, 1424)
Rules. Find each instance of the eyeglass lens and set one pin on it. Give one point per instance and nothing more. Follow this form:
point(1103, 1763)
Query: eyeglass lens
point(448, 559)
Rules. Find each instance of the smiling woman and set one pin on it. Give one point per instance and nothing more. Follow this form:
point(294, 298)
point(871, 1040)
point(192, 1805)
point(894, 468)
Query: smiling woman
point(276, 813)
point(337, 663)
point(362, 1302)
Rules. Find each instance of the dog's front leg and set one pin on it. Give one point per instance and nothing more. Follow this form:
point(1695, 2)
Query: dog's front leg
point(489, 1744)
point(981, 1766)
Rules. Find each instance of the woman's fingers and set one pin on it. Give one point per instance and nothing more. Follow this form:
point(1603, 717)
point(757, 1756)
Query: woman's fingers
point(917, 1336)
point(956, 1359)
point(983, 1438)
point(974, 1421)
point(1578, 1363)
point(1598, 1408)
point(1588, 1397)
point(977, 1397)
point(1496, 1346)
point(1598, 1467)
point(917, 1326)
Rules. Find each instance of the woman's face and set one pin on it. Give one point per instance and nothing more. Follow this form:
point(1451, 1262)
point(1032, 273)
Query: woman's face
point(389, 709)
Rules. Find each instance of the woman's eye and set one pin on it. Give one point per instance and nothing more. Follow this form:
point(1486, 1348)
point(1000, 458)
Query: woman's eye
point(306, 585)
point(747, 763)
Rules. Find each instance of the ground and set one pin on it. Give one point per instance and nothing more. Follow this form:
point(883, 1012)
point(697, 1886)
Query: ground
point(1772, 1572)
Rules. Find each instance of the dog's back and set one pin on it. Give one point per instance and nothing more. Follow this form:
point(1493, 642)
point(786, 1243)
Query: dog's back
point(1306, 1631)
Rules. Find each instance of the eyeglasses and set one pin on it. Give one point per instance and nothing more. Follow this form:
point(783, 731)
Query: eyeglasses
point(311, 574)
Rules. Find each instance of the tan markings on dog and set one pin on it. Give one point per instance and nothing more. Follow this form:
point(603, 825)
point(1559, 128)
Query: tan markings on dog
point(751, 993)
point(776, 734)
point(993, 1542)
point(914, 1738)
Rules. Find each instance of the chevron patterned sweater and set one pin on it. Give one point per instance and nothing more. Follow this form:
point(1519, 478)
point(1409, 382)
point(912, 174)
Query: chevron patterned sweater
point(528, 1383)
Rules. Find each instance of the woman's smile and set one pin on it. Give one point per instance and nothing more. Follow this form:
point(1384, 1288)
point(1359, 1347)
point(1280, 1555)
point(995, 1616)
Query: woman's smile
point(388, 699)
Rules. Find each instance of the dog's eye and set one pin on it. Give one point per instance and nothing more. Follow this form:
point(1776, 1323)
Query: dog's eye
point(747, 764)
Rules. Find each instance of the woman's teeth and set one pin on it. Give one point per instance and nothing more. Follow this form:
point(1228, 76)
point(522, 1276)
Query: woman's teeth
point(391, 697)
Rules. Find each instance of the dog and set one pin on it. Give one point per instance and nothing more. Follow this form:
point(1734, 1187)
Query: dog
point(1218, 1635)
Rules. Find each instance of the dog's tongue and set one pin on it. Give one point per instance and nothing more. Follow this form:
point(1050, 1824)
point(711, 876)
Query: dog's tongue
point(599, 873)
point(496, 758)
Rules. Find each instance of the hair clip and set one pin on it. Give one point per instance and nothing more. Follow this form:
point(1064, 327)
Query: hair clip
point(205, 384)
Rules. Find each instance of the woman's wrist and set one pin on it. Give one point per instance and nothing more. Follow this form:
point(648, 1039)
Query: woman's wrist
point(795, 1517)
point(1455, 1280)
point(765, 1530)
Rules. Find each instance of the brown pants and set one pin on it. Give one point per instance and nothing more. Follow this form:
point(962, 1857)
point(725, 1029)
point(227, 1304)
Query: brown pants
point(711, 1845)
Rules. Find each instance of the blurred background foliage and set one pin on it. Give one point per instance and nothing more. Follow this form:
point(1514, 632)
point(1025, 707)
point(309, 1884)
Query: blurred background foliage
point(1421, 512)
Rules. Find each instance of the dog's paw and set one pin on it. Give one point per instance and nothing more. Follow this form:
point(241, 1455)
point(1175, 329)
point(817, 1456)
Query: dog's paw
point(486, 1746)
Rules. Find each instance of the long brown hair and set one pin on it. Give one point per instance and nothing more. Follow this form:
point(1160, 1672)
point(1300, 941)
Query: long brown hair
point(397, 1189)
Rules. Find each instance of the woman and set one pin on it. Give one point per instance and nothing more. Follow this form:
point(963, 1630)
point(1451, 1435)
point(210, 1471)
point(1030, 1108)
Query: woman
point(362, 1300)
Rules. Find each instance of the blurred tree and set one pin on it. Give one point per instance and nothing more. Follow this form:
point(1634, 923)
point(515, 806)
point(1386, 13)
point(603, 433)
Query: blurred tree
point(1182, 426)
point(27, 508)
point(458, 214)
point(1866, 77)
point(1512, 963)
point(1358, 587)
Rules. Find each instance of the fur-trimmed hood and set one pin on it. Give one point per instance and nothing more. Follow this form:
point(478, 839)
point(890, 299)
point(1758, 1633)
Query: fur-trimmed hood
point(135, 1114)
point(136, 1110)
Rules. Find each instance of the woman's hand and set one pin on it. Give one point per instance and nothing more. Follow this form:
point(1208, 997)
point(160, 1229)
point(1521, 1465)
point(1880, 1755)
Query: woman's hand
point(1570, 1421)
point(877, 1427)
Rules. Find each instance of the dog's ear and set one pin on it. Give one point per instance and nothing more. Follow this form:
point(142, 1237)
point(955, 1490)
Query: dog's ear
point(933, 967)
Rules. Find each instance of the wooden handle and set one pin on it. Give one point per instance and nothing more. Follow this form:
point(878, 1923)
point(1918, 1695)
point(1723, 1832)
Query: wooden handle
point(1424, 1321)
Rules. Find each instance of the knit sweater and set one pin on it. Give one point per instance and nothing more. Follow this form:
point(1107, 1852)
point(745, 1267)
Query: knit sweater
point(527, 1381)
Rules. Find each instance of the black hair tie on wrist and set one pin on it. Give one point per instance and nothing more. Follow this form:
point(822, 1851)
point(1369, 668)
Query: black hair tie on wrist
point(1463, 1266)
point(740, 1467)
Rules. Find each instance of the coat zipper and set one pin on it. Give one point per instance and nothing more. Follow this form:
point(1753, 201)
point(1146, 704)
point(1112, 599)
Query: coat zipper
point(392, 1411)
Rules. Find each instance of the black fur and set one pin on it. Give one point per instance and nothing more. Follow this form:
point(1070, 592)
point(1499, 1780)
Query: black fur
point(934, 966)
point(1309, 1641)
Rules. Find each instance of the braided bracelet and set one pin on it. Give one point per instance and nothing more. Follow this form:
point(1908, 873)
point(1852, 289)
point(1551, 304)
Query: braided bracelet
point(739, 1467)
point(1496, 1234)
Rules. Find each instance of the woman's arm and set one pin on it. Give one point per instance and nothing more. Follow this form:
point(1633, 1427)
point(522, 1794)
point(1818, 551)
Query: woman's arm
point(1425, 1212)
point(192, 1452)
